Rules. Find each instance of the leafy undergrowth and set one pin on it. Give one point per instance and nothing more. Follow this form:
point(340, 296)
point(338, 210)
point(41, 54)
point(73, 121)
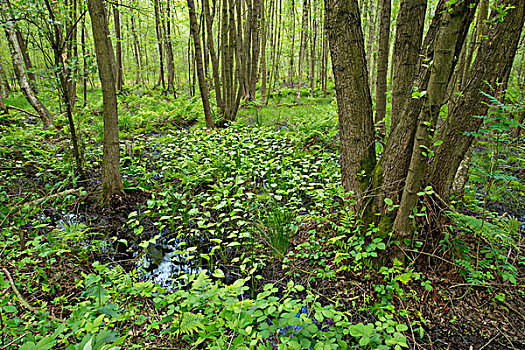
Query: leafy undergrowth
point(237, 238)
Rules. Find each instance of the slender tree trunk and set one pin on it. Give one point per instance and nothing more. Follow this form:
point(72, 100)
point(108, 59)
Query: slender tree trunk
point(263, 51)
point(59, 46)
point(118, 47)
point(256, 47)
point(302, 50)
point(27, 60)
point(84, 62)
point(169, 51)
point(356, 125)
point(291, 71)
point(158, 30)
point(3, 81)
point(194, 29)
point(382, 59)
point(111, 179)
point(136, 45)
point(213, 56)
point(20, 72)
point(313, 47)
point(370, 46)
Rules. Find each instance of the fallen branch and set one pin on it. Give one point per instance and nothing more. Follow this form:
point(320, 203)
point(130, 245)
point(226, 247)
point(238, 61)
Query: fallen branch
point(7, 107)
point(21, 299)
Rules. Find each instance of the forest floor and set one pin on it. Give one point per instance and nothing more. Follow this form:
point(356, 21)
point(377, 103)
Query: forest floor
point(259, 202)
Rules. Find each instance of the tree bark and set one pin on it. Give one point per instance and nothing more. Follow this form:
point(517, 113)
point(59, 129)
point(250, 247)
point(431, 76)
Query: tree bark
point(158, 30)
point(382, 59)
point(356, 125)
point(203, 87)
point(3, 81)
point(169, 51)
point(398, 149)
point(136, 45)
point(496, 53)
point(441, 70)
point(409, 33)
point(118, 47)
point(302, 50)
point(291, 71)
point(111, 179)
point(20, 72)
point(27, 60)
point(263, 51)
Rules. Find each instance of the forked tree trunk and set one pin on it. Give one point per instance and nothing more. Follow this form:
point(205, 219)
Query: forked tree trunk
point(382, 59)
point(111, 179)
point(495, 55)
point(20, 72)
point(441, 70)
point(356, 125)
point(398, 149)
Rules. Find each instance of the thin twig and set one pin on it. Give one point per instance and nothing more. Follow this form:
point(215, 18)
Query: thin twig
point(21, 299)
point(14, 341)
point(490, 341)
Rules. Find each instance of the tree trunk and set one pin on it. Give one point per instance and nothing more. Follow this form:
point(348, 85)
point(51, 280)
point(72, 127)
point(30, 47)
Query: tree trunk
point(477, 37)
point(169, 51)
point(291, 71)
point(20, 72)
point(111, 179)
point(370, 46)
point(158, 30)
point(356, 125)
point(213, 56)
point(136, 45)
point(3, 81)
point(118, 47)
point(263, 51)
point(313, 53)
point(441, 70)
point(409, 33)
point(398, 149)
point(495, 55)
point(302, 50)
point(382, 59)
point(84, 61)
point(194, 29)
point(27, 60)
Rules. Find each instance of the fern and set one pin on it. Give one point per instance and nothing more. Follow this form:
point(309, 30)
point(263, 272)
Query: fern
point(190, 323)
point(485, 229)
